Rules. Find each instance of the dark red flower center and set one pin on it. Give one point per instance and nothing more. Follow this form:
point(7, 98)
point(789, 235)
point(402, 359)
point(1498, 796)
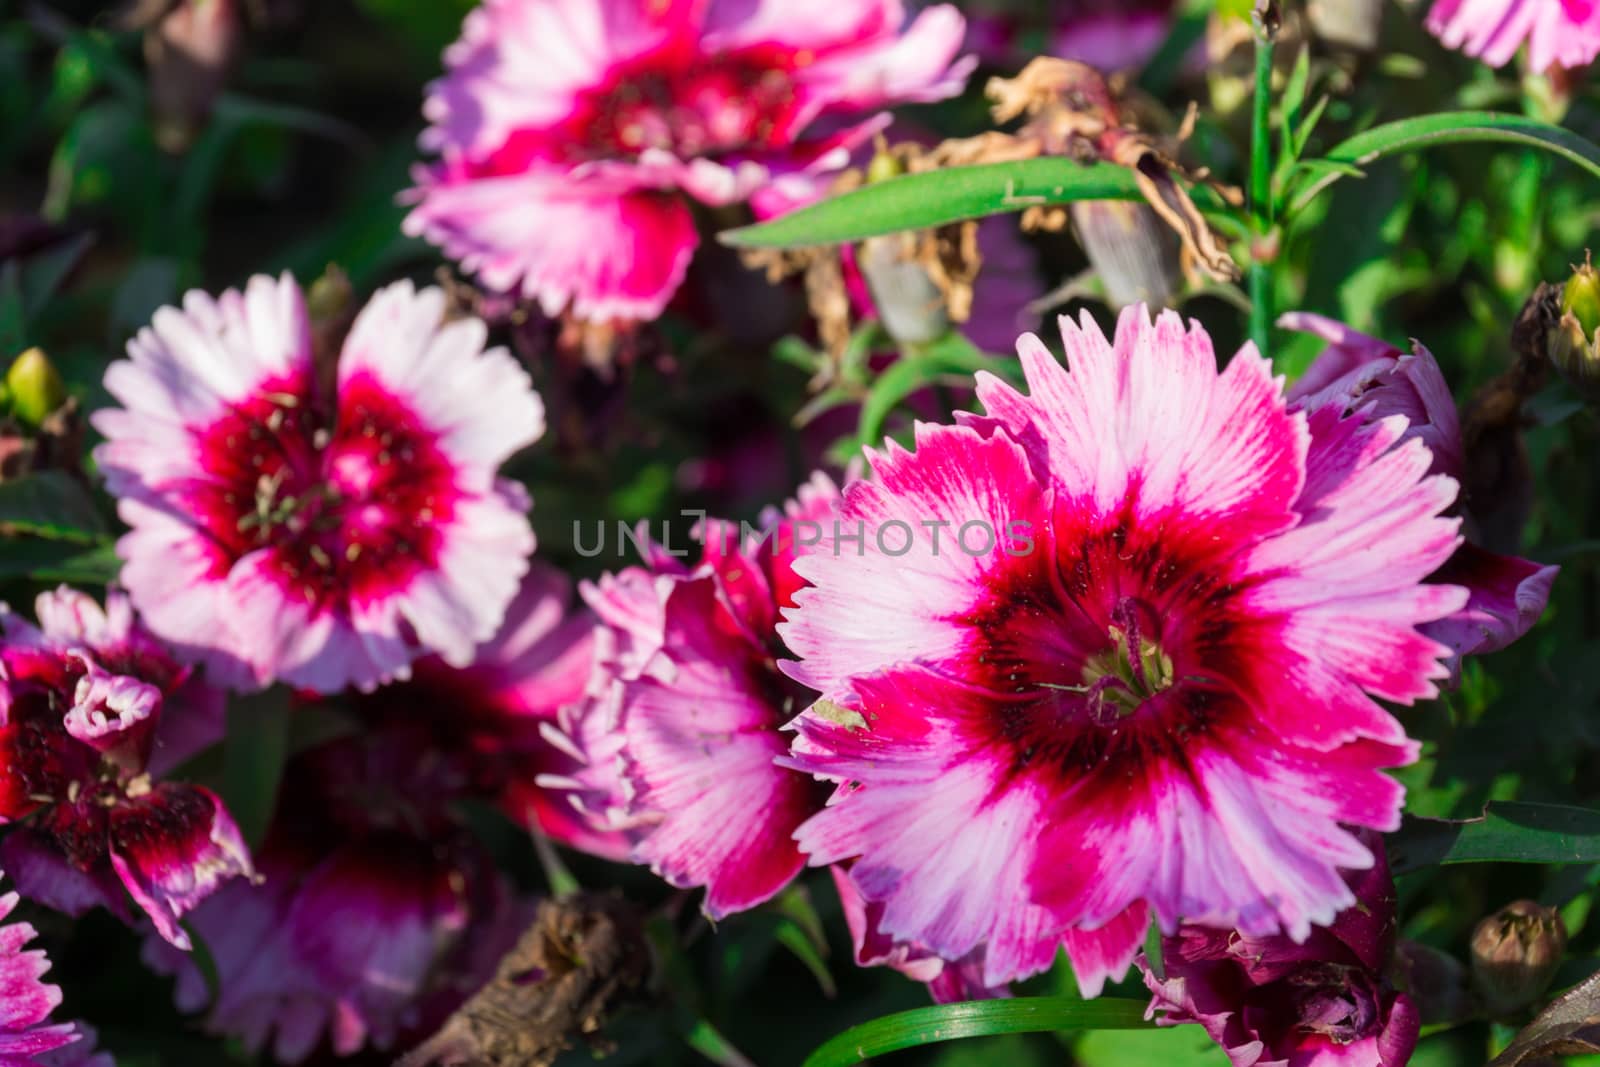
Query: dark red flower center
point(695, 106)
point(346, 513)
point(1105, 643)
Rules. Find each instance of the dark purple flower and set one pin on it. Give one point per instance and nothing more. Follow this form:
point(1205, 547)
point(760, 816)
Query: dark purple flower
point(1270, 1002)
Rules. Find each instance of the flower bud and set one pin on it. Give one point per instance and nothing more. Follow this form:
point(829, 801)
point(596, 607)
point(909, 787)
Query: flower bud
point(883, 166)
point(1133, 251)
point(1571, 341)
point(189, 54)
point(909, 301)
point(1515, 953)
point(1350, 23)
point(34, 388)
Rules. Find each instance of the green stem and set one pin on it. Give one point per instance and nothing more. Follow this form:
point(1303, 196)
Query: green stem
point(1261, 194)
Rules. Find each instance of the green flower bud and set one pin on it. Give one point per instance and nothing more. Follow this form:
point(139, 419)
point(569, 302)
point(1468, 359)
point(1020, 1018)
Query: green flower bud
point(35, 388)
point(1515, 953)
point(1581, 297)
point(883, 166)
point(1570, 341)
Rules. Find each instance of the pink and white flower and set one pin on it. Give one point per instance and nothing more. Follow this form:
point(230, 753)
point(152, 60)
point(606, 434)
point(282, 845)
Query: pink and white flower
point(323, 526)
point(1153, 691)
point(1269, 1000)
point(573, 136)
point(1364, 377)
point(947, 981)
point(1558, 33)
point(92, 826)
point(376, 915)
point(495, 719)
point(682, 729)
point(26, 1000)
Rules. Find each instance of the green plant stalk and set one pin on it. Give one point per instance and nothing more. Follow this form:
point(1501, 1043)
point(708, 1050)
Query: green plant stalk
point(1261, 195)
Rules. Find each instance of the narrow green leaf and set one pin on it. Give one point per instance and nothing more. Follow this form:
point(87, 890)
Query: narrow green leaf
point(1453, 127)
point(794, 938)
point(952, 355)
point(920, 201)
point(253, 756)
point(53, 505)
point(1507, 832)
point(980, 1018)
point(709, 1042)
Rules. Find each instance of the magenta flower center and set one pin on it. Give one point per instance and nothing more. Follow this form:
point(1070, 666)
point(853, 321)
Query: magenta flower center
point(349, 510)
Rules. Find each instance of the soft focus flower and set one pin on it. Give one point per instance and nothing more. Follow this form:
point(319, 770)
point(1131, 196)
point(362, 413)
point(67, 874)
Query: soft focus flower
point(83, 701)
point(377, 911)
point(1365, 377)
point(496, 717)
point(1269, 1000)
point(1145, 680)
point(1112, 35)
point(1558, 33)
point(947, 981)
point(573, 136)
point(320, 526)
point(683, 727)
point(26, 1000)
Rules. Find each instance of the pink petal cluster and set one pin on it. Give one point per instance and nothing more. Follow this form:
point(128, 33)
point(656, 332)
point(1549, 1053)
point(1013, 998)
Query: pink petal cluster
point(682, 730)
point(1364, 377)
point(1558, 33)
point(26, 1000)
point(82, 702)
point(1155, 689)
point(1323, 1002)
point(574, 135)
point(319, 525)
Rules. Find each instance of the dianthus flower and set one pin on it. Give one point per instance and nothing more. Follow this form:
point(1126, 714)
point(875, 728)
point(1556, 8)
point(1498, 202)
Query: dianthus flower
point(82, 702)
point(683, 725)
point(574, 135)
point(1146, 681)
point(319, 525)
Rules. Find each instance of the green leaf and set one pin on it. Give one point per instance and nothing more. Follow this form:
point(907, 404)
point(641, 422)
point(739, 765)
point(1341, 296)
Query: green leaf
point(57, 561)
point(934, 198)
point(980, 1018)
point(1453, 127)
point(254, 752)
point(1507, 832)
point(53, 505)
point(1177, 1046)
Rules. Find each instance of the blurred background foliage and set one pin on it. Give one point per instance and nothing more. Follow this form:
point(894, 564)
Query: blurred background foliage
point(107, 213)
